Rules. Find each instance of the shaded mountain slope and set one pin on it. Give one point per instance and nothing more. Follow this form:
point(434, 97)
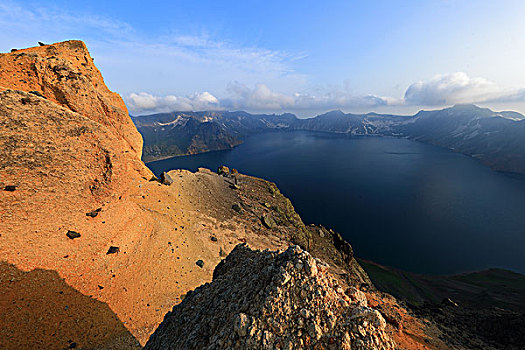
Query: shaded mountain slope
point(353, 124)
point(493, 138)
point(185, 136)
point(173, 134)
point(484, 309)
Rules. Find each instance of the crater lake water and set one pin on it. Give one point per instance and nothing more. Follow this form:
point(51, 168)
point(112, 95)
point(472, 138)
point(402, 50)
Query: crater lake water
point(399, 203)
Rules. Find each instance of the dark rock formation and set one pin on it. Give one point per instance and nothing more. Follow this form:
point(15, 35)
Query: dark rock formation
point(94, 213)
point(113, 250)
point(72, 234)
point(165, 179)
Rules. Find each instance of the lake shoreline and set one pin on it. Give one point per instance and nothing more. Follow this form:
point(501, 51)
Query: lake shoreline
point(386, 182)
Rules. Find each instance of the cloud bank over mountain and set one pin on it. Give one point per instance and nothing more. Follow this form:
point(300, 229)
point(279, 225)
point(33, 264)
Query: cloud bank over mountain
point(259, 98)
point(144, 102)
point(439, 91)
point(448, 89)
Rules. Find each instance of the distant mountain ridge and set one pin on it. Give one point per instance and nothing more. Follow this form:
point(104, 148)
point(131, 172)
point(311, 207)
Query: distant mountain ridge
point(495, 138)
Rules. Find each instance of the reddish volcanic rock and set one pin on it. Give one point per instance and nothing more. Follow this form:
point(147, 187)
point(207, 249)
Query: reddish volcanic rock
point(65, 73)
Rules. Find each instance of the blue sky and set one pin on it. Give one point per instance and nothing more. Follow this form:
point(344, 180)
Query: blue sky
point(300, 56)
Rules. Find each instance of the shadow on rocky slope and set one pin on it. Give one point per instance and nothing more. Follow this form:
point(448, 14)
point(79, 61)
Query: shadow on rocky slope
point(39, 310)
point(484, 309)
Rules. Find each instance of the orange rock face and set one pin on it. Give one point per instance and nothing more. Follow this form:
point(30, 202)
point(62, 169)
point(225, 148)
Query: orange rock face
point(65, 73)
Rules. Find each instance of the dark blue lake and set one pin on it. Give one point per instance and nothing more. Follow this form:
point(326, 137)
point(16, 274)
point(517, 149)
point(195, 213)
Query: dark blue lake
point(398, 202)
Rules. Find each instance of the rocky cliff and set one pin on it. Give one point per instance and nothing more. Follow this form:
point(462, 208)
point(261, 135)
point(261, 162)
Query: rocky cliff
point(65, 73)
point(94, 251)
point(180, 135)
point(266, 300)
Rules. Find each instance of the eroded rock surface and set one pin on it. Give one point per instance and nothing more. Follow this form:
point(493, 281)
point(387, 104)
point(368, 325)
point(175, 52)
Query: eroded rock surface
point(65, 73)
point(271, 300)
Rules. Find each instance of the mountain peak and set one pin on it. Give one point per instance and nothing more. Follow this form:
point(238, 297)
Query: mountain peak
point(65, 73)
point(286, 299)
point(465, 106)
point(334, 113)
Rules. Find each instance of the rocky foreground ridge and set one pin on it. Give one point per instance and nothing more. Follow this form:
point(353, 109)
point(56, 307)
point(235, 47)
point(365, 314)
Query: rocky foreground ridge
point(267, 300)
point(94, 250)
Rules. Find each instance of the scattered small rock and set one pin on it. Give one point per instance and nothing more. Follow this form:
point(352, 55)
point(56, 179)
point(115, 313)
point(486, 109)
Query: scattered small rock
point(41, 43)
point(357, 296)
point(213, 239)
point(223, 170)
point(241, 324)
point(199, 263)
point(268, 221)
point(94, 213)
point(237, 208)
point(305, 313)
point(14, 50)
point(113, 250)
point(72, 234)
point(34, 92)
point(449, 302)
point(165, 179)
point(10, 188)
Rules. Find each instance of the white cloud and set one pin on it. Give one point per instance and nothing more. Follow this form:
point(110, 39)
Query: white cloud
point(440, 91)
point(449, 89)
point(260, 98)
point(143, 102)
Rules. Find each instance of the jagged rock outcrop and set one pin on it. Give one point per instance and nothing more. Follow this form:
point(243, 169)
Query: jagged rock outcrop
point(269, 300)
point(66, 74)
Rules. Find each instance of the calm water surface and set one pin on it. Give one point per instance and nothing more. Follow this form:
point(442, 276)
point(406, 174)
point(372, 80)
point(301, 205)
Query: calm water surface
point(398, 202)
